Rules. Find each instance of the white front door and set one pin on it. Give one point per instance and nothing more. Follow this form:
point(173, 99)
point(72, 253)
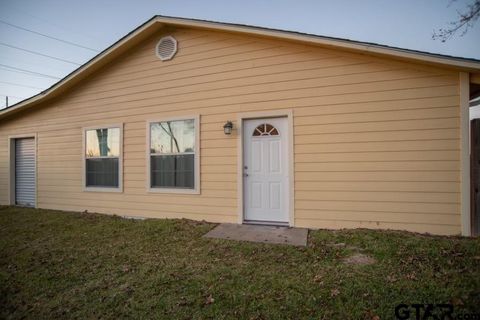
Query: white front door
point(265, 170)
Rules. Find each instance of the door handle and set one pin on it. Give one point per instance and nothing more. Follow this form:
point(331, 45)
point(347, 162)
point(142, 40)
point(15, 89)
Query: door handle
point(245, 174)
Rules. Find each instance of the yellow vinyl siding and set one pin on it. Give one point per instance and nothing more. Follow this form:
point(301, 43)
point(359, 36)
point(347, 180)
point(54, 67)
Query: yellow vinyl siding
point(376, 141)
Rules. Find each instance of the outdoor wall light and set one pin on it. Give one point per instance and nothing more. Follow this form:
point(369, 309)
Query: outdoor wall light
point(227, 128)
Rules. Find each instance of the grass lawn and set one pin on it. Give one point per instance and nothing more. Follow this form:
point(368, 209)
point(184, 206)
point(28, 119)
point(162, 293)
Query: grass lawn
point(70, 265)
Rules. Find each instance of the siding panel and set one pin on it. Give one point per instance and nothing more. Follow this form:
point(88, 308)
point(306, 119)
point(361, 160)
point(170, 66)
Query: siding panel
point(376, 140)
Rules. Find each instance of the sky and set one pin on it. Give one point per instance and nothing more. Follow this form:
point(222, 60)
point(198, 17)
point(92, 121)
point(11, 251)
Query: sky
point(96, 24)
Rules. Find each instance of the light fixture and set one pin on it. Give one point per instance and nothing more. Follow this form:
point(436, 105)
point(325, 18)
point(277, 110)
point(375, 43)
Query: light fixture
point(227, 128)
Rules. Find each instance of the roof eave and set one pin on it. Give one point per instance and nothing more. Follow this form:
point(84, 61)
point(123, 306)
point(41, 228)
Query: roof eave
point(86, 69)
point(157, 22)
point(459, 63)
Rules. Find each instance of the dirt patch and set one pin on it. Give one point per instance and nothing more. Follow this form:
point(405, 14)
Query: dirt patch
point(359, 259)
point(342, 245)
point(337, 245)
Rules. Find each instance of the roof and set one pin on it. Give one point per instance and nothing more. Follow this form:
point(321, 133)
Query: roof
point(157, 22)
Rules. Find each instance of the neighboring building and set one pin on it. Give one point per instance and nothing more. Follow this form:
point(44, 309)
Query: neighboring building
point(326, 133)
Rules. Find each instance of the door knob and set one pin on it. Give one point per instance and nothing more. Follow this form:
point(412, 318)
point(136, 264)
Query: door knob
point(245, 174)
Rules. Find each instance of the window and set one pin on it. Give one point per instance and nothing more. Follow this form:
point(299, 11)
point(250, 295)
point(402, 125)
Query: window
point(102, 158)
point(173, 157)
point(265, 129)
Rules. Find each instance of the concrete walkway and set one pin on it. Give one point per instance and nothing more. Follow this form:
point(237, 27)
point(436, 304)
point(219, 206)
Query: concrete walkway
point(258, 233)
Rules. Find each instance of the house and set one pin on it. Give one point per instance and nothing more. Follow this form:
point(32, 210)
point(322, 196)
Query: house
point(211, 121)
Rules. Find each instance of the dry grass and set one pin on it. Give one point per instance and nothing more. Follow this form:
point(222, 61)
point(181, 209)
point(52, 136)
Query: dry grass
point(69, 265)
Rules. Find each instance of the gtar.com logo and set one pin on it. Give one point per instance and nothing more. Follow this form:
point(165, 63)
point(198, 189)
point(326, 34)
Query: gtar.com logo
point(431, 312)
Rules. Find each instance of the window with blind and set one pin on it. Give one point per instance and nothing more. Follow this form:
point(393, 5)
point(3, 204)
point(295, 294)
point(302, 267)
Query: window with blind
point(173, 154)
point(102, 158)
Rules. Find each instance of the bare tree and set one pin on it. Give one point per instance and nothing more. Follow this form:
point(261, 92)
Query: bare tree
point(466, 19)
point(172, 135)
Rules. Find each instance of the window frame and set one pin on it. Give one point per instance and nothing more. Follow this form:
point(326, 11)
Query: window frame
point(120, 159)
point(196, 158)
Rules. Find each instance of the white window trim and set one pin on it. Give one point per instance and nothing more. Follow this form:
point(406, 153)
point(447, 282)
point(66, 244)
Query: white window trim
point(465, 213)
point(120, 160)
point(196, 189)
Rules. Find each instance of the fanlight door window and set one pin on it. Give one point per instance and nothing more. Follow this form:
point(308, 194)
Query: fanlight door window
point(265, 129)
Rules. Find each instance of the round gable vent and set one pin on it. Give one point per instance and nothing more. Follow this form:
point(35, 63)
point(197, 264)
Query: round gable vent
point(166, 48)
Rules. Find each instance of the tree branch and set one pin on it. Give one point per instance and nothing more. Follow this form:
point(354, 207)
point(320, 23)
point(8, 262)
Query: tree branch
point(465, 21)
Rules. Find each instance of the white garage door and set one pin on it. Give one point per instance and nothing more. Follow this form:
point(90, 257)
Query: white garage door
point(25, 172)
